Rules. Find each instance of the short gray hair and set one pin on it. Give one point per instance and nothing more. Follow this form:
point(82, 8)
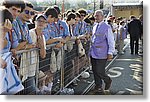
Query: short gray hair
point(99, 11)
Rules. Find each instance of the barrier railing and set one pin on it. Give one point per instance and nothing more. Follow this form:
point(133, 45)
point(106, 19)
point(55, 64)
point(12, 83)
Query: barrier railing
point(57, 71)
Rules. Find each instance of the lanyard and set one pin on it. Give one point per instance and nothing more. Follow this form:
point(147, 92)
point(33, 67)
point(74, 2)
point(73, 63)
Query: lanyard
point(22, 28)
point(71, 29)
point(80, 27)
point(16, 32)
point(50, 26)
point(57, 28)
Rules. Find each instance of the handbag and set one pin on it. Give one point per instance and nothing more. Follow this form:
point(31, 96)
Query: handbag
point(81, 50)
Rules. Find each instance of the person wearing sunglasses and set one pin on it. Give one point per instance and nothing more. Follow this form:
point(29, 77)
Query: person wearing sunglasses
point(82, 23)
point(23, 30)
point(23, 35)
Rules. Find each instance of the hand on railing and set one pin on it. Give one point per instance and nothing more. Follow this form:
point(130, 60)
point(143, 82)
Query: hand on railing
point(61, 39)
point(30, 46)
point(14, 51)
point(59, 45)
point(21, 45)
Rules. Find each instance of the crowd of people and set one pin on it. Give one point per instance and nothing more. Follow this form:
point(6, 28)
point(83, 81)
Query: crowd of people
point(24, 29)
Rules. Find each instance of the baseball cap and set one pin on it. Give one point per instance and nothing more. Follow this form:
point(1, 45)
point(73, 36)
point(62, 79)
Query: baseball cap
point(41, 15)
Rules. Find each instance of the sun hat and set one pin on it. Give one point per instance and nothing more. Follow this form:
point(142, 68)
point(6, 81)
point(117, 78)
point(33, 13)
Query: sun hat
point(41, 76)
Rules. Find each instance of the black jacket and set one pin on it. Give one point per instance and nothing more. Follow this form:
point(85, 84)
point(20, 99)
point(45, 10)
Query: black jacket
point(135, 28)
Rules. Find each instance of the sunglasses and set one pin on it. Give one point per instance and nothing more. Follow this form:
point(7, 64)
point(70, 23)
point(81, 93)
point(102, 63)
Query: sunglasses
point(41, 21)
point(29, 12)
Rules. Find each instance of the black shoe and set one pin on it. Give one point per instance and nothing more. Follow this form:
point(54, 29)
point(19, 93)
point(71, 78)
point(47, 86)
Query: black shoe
point(108, 84)
point(99, 91)
point(95, 89)
point(74, 83)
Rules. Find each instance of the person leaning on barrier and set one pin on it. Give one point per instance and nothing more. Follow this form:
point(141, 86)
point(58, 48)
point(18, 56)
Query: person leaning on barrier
point(82, 24)
point(26, 73)
point(101, 50)
point(50, 30)
point(21, 20)
point(37, 34)
point(62, 29)
point(76, 29)
point(71, 49)
point(89, 27)
point(15, 7)
point(71, 22)
point(10, 82)
point(38, 39)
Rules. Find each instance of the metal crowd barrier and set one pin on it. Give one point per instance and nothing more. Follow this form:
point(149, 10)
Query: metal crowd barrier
point(52, 74)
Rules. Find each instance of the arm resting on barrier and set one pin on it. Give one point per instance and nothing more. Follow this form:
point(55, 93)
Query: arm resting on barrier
point(30, 46)
point(21, 46)
point(51, 41)
point(67, 38)
point(59, 45)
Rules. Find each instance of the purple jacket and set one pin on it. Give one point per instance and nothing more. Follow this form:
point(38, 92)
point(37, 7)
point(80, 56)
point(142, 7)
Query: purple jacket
point(102, 41)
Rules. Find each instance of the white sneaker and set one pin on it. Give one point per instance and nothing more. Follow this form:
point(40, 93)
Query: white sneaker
point(122, 53)
point(115, 52)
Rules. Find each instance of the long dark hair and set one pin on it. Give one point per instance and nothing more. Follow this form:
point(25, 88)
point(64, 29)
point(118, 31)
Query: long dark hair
point(16, 3)
point(5, 14)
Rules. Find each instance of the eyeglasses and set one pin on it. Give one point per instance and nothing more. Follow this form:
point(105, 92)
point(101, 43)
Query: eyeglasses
point(41, 21)
point(29, 12)
point(83, 15)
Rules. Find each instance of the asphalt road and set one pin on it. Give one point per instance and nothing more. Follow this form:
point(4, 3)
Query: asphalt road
point(127, 75)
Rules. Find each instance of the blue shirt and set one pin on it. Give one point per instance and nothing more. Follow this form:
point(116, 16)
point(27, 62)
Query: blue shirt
point(49, 32)
point(8, 46)
point(80, 28)
point(20, 33)
point(62, 29)
point(16, 34)
point(89, 28)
